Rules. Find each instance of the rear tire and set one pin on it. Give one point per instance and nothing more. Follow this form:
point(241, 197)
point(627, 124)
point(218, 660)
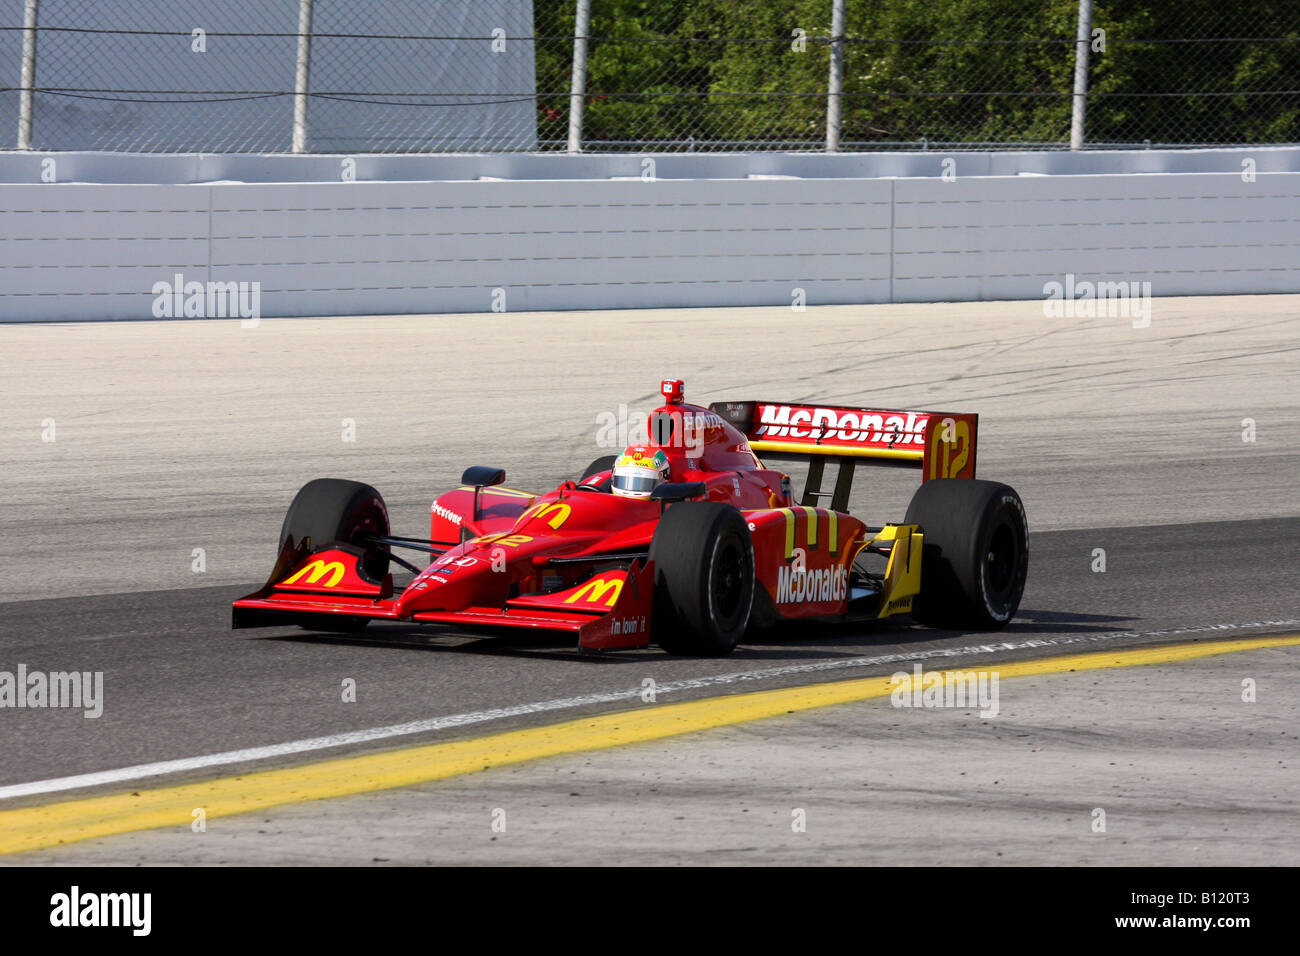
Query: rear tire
point(334, 511)
point(976, 553)
point(704, 579)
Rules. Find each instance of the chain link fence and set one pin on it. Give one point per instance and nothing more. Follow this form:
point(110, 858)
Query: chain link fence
point(496, 75)
point(247, 76)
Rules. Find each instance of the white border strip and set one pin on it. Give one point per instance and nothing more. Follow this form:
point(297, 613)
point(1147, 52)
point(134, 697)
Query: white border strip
point(141, 771)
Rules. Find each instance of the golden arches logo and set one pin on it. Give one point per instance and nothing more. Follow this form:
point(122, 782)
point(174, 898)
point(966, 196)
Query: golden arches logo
point(317, 570)
point(597, 588)
point(561, 512)
point(558, 510)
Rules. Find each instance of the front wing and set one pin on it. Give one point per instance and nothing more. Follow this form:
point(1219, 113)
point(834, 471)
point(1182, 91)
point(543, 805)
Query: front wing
point(609, 610)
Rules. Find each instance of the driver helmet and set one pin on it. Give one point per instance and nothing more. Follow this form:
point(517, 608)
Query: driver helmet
point(638, 471)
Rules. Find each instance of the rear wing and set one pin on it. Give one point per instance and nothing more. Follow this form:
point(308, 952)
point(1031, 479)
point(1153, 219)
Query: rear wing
point(940, 444)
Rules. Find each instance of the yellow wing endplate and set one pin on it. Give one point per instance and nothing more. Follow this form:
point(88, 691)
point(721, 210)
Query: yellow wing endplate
point(903, 573)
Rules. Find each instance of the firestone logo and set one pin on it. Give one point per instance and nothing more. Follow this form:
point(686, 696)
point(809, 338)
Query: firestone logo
point(447, 514)
point(829, 424)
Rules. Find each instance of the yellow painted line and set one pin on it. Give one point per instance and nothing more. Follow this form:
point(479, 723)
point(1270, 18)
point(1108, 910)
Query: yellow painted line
point(37, 827)
point(834, 530)
point(789, 532)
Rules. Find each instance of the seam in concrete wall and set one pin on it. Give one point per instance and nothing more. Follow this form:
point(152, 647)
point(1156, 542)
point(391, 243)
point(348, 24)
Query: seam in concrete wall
point(85, 251)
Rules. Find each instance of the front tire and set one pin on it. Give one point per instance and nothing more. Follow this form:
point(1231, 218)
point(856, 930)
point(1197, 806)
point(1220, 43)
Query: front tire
point(704, 579)
point(975, 556)
point(334, 511)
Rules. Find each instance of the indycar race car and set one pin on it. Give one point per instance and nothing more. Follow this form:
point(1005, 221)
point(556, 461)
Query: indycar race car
point(686, 540)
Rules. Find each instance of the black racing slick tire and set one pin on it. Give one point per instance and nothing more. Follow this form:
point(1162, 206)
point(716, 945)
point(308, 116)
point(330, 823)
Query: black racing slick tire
point(704, 579)
point(334, 511)
point(975, 555)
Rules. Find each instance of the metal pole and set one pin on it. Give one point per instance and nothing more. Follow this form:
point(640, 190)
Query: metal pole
point(578, 89)
point(1082, 41)
point(302, 79)
point(836, 83)
point(28, 82)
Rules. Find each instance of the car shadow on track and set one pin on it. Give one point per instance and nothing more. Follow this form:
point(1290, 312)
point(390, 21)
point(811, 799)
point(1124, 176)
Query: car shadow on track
point(409, 638)
point(857, 636)
point(789, 641)
point(1066, 622)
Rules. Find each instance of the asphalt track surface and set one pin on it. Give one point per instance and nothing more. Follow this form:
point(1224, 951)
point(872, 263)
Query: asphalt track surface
point(176, 436)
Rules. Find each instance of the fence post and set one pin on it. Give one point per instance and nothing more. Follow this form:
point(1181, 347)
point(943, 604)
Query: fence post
point(1082, 41)
point(836, 82)
point(578, 89)
point(28, 82)
point(303, 77)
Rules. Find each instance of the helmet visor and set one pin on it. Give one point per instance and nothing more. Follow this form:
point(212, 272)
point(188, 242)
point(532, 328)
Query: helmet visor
point(635, 484)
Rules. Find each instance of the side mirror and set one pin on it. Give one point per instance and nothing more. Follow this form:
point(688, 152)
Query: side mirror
point(481, 476)
point(678, 491)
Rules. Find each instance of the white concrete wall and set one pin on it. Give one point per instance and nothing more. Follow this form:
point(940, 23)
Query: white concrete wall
point(113, 167)
point(1003, 238)
point(88, 251)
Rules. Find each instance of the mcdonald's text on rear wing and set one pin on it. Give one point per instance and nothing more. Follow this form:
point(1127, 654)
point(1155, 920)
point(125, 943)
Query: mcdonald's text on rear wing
point(940, 444)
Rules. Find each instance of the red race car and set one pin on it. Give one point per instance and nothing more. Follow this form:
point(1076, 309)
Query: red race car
point(685, 540)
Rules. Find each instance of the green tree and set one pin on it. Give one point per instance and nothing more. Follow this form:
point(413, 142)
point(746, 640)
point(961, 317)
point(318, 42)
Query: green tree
point(718, 72)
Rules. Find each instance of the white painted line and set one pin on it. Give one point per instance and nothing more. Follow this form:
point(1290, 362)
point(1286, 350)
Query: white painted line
point(141, 771)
